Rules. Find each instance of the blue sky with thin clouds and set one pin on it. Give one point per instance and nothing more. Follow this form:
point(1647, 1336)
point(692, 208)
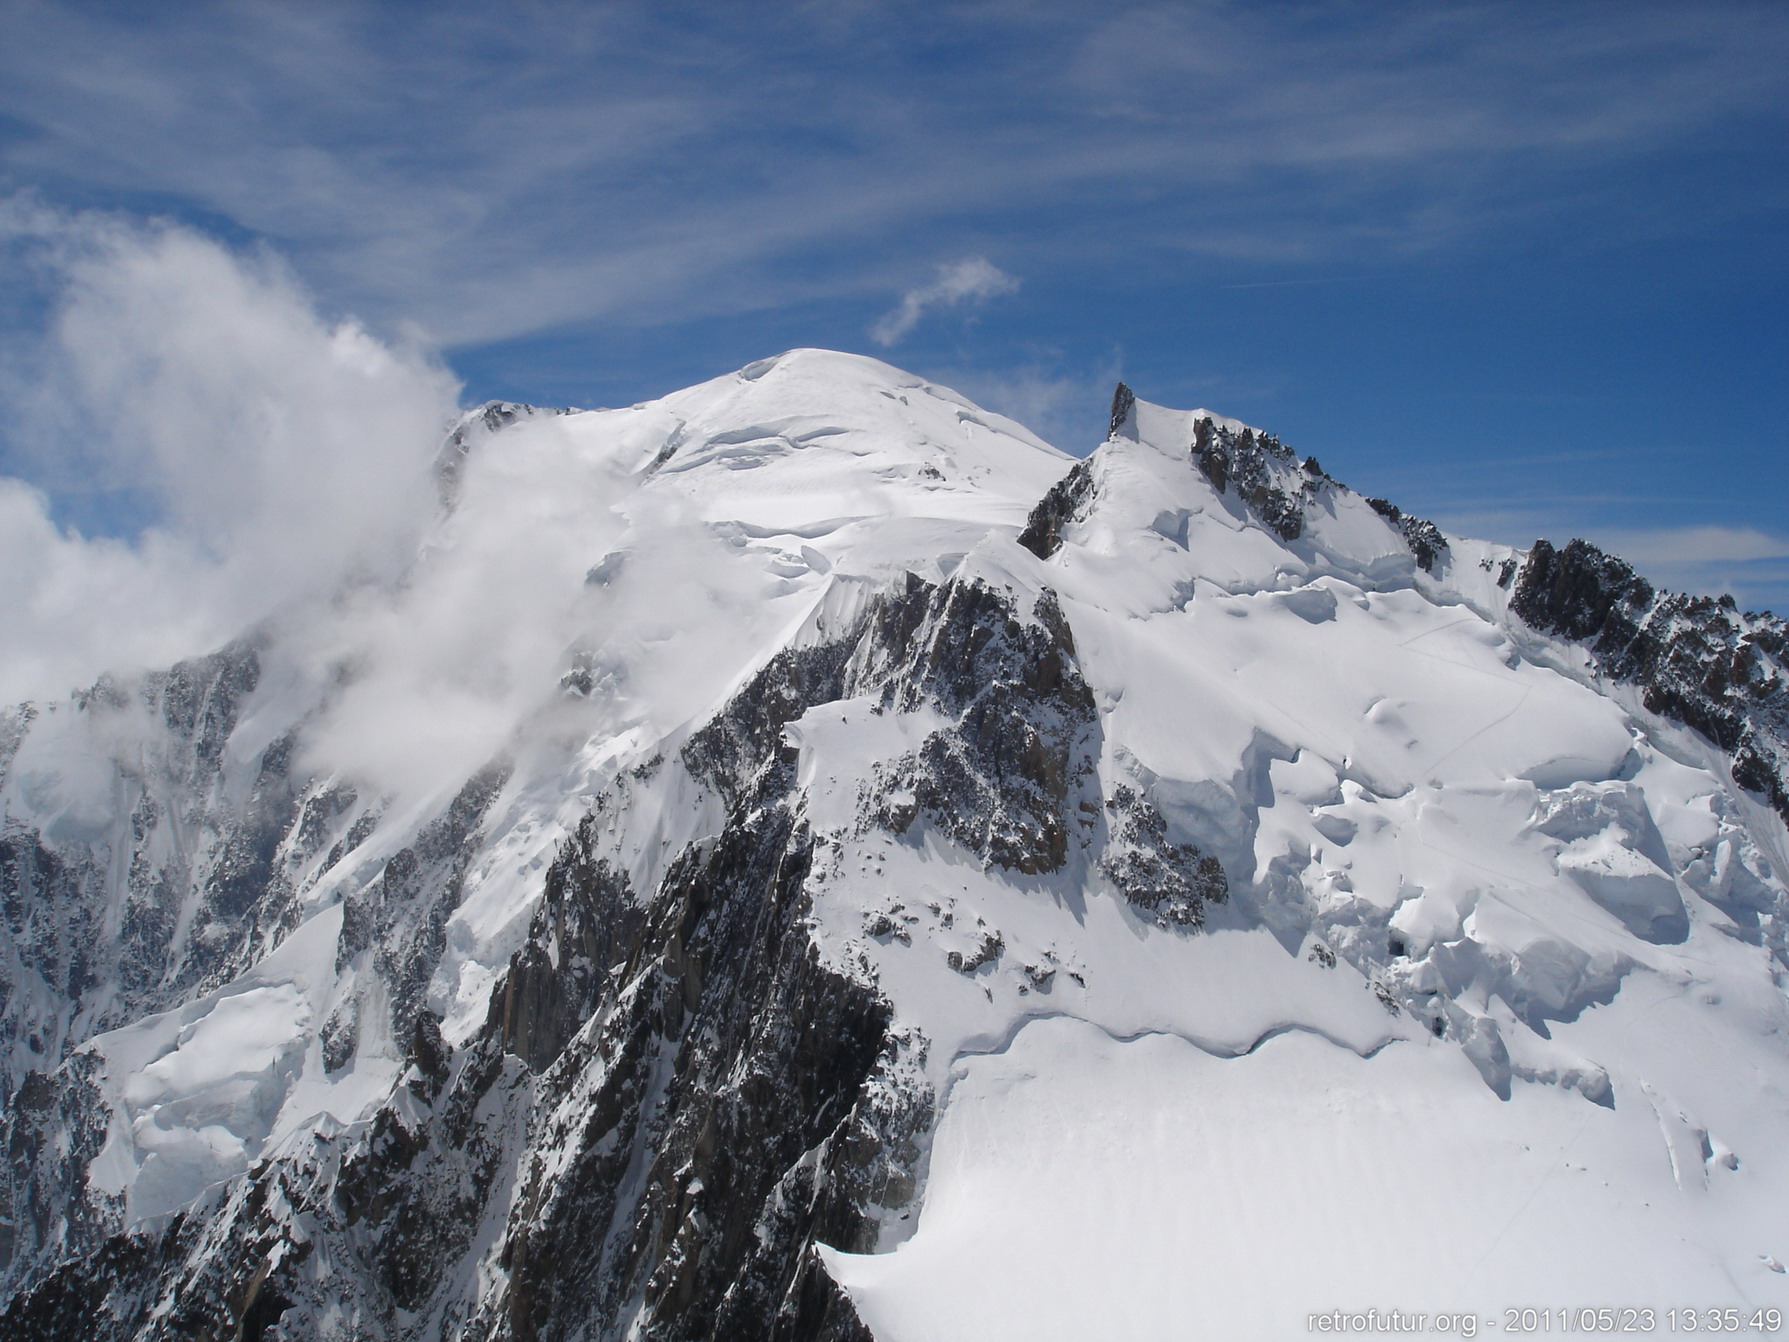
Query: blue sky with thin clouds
point(1519, 266)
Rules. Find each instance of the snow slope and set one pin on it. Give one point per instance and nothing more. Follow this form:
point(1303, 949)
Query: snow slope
point(1226, 908)
point(1501, 852)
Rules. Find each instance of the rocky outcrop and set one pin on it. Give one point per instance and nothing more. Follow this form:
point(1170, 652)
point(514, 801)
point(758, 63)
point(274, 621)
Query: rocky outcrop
point(1697, 661)
point(1260, 471)
point(710, 1124)
point(1002, 780)
point(1067, 501)
point(1124, 405)
point(1424, 538)
point(1256, 470)
point(587, 921)
point(1169, 882)
point(1266, 477)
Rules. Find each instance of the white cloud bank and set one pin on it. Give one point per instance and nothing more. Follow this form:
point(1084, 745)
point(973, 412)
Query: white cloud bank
point(974, 279)
point(274, 454)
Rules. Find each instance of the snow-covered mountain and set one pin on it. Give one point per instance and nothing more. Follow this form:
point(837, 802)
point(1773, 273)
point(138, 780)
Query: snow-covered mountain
point(805, 859)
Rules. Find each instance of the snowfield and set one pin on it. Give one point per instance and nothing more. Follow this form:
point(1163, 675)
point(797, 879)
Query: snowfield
point(1477, 1002)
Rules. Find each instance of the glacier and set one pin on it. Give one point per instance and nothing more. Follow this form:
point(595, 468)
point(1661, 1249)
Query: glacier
point(804, 858)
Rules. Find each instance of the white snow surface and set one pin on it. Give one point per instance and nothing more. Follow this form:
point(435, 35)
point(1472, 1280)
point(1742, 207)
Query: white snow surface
point(1468, 1033)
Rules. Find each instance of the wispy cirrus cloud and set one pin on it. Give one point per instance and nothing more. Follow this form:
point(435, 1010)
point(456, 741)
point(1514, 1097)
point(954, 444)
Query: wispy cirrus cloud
point(1695, 544)
point(974, 279)
point(491, 174)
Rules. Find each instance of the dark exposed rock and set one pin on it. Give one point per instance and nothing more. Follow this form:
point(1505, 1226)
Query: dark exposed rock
point(1065, 502)
point(587, 918)
point(1265, 475)
point(1424, 538)
point(245, 871)
point(746, 737)
point(1258, 470)
point(1000, 781)
point(731, 1074)
point(52, 937)
point(340, 1036)
point(200, 699)
point(1582, 593)
point(106, 1284)
point(1696, 660)
point(52, 1125)
point(221, 1271)
point(881, 925)
point(318, 813)
point(428, 1050)
point(354, 1236)
point(992, 944)
point(1172, 882)
point(414, 1195)
point(1124, 404)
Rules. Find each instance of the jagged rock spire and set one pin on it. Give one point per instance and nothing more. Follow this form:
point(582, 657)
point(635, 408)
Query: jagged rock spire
point(1124, 402)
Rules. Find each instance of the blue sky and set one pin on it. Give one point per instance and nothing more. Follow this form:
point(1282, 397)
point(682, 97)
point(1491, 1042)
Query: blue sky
point(1519, 266)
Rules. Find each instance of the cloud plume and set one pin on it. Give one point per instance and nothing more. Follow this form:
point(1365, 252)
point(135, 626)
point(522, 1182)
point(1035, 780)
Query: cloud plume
point(974, 279)
point(266, 454)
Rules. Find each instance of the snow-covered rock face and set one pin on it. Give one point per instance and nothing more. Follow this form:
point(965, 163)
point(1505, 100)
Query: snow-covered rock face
point(805, 859)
